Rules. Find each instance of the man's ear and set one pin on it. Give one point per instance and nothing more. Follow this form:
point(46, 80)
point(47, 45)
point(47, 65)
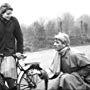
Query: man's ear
point(64, 44)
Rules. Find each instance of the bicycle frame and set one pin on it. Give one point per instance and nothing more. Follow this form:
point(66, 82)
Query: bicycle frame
point(31, 66)
point(22, 70)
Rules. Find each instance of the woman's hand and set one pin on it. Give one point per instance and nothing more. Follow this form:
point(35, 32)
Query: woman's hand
point(18, 54)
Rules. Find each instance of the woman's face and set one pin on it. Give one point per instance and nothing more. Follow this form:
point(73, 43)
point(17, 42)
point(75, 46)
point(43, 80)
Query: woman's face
point(7, 15)
point(58, 45)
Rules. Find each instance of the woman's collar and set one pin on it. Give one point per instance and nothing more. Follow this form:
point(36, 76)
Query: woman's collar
point(4, 20)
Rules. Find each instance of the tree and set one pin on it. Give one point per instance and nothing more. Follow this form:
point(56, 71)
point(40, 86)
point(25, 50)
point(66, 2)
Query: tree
point(67, 23)
point(86, 29)
point(39, 35)
point(59, 24)
point(51, 28)
point(84, 21)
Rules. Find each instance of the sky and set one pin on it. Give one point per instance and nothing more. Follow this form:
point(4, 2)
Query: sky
point(28, 11)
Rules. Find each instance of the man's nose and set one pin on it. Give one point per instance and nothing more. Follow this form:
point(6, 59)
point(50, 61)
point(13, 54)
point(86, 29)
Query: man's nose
point(55, 44)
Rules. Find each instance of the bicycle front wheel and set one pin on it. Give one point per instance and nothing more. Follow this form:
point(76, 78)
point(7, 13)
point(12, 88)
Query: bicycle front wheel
point(23, 84)
point(28, 82)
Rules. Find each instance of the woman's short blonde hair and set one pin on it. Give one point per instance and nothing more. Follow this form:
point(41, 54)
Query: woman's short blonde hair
point(63, 37)
point(4, 7)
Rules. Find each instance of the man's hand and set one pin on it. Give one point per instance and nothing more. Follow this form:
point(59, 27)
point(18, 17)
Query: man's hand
point(34, 71)
point(43, 74)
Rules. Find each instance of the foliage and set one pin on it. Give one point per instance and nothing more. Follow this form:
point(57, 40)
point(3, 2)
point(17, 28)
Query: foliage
point(40, 34)
point(67, 23)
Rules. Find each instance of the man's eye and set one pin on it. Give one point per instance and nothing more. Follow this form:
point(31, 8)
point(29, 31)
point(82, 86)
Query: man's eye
point(56, 42)
point(8, 13)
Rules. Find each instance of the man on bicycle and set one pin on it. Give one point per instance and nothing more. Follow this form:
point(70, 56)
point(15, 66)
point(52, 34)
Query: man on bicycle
point(11, 42)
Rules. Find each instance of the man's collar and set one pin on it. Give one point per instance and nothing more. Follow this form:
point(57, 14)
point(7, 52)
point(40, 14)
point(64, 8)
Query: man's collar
point(64, 51)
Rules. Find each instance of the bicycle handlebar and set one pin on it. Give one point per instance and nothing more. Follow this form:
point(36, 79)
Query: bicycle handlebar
point(21, 57)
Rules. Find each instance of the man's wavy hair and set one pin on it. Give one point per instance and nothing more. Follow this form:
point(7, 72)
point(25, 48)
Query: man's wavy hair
point(63, 37)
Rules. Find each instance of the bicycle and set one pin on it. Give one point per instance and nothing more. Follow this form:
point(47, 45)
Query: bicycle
point(26, 78)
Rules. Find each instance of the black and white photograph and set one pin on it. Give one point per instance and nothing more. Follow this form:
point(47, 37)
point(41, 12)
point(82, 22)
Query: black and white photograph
point(44, 45)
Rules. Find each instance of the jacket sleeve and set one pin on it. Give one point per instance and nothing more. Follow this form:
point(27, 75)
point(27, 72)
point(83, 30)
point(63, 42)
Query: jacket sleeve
point(19, 37)
point(82, 60)
point(84, 65)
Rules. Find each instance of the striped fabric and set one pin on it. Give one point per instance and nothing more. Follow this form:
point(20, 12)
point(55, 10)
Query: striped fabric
point(8, 67)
